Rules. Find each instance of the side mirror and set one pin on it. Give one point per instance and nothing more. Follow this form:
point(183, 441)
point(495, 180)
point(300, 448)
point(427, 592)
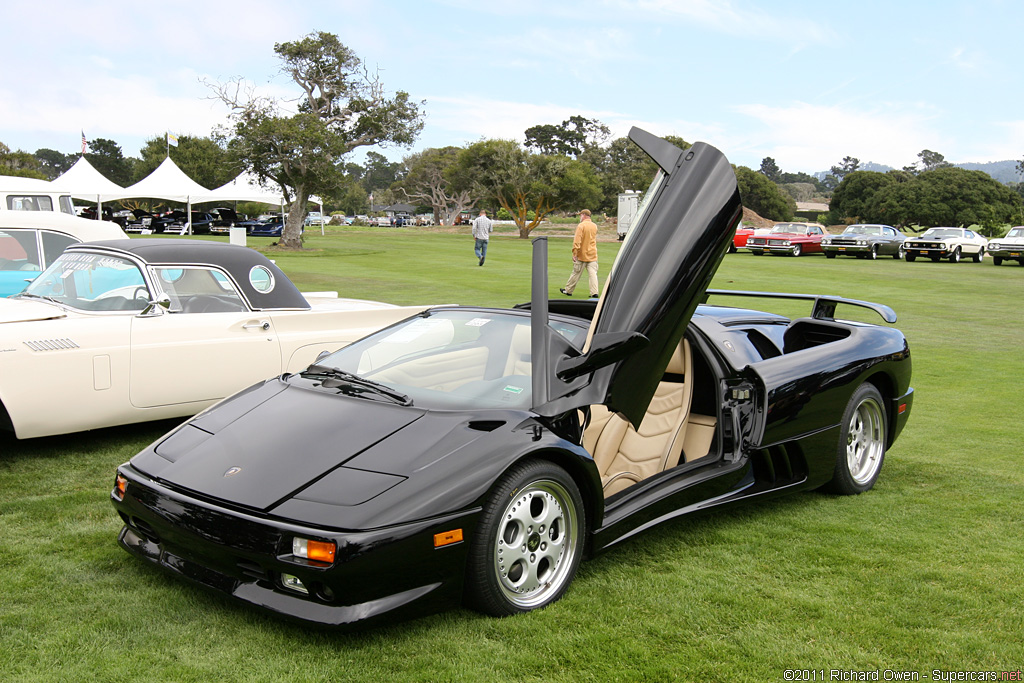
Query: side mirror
point(605, 349)
point(320, 356)
point(157, 306)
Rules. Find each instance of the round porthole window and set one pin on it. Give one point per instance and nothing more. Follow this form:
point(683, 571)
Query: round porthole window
point(171, 275)
point(261, 279)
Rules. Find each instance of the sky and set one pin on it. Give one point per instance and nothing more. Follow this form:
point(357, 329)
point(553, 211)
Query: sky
point(806, 83)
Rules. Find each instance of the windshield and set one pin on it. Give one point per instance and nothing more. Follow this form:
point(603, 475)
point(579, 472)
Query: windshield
point(943, 232)
point(1016, 232)
point(92, 282)
point(790, 228)
point(452, 359)
point(864, 230)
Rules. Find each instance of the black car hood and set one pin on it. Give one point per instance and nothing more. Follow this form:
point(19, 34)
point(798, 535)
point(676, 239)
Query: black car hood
point(661, 273)
point(263, 445)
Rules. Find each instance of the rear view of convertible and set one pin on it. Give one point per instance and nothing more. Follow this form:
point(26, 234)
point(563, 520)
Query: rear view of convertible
point(478, 455)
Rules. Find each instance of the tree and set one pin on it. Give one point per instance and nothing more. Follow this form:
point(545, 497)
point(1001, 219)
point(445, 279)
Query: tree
point(846, 166)
point(770, 169)
point(855, 197)
point(343, 106)
point(948, 196)
point(106, 157)
point(379, 173)
point(52, 163)
point(429, 179)
point(19, 163)
point(763, 196)
point(932, 160)
point(526, 184)
point(202, 159)
point(569, 138)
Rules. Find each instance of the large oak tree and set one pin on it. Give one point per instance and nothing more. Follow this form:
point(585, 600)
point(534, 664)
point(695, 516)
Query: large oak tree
point(342, 106)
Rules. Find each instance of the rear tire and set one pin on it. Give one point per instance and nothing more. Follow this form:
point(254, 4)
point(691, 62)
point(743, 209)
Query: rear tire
point(529, 542)
point(861, 448)
point(980, 256)
point(900, 253)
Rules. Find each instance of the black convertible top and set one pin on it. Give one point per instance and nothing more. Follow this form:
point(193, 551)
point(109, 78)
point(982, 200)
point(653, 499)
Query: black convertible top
point(236, 260)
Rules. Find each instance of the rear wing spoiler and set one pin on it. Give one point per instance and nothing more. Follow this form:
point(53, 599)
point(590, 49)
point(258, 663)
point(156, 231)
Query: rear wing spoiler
point(824, 306)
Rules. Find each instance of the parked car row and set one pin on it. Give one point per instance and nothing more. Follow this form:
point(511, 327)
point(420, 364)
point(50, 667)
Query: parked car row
point(869, 241)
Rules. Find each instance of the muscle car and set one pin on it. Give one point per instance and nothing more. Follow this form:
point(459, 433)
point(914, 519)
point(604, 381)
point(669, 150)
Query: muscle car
point(948, 243)
point(123, 331)
point(477, 455)
point(865, 241)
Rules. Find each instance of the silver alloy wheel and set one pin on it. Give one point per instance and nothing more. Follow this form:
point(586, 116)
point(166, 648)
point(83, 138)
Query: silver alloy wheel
point(865, 441)
point(536, 544)
point(900, 253)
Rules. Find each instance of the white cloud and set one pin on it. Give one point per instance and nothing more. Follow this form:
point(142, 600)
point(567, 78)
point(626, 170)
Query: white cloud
point(732, 18)
point(812, 137)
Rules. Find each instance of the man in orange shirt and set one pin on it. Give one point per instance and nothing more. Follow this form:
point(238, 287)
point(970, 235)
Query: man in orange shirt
point(584, 255)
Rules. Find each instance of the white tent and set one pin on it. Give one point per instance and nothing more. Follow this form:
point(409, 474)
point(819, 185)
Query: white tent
point(83, 181)
point(167, 182)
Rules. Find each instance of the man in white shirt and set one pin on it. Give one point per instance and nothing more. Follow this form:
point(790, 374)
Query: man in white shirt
point(482, 227)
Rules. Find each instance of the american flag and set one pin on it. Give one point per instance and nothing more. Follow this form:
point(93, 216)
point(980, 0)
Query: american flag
point(85, 143)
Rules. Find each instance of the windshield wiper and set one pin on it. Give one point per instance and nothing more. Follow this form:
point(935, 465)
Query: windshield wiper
point(30, 295)
point(347, 378)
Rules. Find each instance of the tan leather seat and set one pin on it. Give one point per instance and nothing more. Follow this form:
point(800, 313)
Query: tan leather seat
point(624, 455)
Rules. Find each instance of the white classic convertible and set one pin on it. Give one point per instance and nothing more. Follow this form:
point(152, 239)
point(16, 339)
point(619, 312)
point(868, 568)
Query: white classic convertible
point(125, 331)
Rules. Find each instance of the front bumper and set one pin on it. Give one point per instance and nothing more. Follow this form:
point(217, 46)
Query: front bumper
point(1007, 253)
point(846, 248)
point(772, 248)
point(376, 576)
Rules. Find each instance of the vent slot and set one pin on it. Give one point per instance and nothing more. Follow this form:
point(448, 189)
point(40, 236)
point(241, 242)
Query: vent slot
point(63, 344)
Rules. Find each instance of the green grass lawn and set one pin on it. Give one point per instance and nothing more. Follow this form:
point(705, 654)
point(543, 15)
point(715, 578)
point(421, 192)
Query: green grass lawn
point(924, 572)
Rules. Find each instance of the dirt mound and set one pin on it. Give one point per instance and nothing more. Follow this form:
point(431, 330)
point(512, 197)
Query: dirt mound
point(753, 220)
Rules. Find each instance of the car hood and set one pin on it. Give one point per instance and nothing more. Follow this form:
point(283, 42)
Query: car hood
point(666, 263)
point(263, 445)
point(20, 311)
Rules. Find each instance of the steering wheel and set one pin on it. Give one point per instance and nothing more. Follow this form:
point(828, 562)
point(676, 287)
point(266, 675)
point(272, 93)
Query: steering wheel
point(141, 293)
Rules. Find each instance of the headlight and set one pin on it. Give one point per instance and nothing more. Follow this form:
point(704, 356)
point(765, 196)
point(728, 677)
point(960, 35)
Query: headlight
point(785, 243)
point(826, 240)
point(994, 245)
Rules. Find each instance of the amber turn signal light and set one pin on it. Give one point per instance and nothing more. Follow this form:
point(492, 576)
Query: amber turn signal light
point(120, 485)
point(447, 538)
point(321, 551)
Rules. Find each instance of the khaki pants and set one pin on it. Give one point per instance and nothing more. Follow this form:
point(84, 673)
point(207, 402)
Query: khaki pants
point(577, 270)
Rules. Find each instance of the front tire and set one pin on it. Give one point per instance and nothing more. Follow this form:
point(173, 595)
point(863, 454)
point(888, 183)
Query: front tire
point(955, 256)
point(756, 252)
point(861, 449)
point(911, 258)
point(830, 254)
point(873, 254)
point(529, 543)
point(797, 250)
point(997, 260)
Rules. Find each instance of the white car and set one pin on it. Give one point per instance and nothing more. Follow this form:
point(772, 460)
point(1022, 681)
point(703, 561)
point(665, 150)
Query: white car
point(1009, 247)
point(124, 331)
point(32, 240)
point(948, 243)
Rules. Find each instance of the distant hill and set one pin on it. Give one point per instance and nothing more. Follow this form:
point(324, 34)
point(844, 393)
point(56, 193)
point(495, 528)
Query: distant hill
point(1003, 171)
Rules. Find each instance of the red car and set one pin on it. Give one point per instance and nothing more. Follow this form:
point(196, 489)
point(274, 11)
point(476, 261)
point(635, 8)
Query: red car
point(740, 239)
point(788, 238)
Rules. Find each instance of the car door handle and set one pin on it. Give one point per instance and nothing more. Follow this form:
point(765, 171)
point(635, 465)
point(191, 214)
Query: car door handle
point(261, 325)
